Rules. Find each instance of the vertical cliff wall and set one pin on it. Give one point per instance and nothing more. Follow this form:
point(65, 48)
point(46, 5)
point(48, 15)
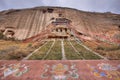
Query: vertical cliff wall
point(26, 23)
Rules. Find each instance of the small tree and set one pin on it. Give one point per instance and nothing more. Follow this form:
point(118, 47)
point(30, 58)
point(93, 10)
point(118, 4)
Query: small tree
point(30, 45)
point(1, 36)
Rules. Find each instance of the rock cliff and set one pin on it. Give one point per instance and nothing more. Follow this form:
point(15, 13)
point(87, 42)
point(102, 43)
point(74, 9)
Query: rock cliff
point(26, 23)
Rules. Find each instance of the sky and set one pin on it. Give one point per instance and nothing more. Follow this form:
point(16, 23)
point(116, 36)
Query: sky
point(85, 5)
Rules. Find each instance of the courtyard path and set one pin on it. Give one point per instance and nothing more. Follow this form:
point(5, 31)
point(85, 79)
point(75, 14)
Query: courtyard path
point(63, 50)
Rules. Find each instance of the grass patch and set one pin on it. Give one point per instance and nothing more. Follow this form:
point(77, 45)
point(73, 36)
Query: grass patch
point(85, 53)
point(70, 53)
point(55, 53)
point(41, 52)
point(11, 50)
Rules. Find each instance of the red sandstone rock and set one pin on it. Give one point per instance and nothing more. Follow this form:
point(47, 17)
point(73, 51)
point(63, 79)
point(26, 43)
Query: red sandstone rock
point(27, 23)
point(52, 70)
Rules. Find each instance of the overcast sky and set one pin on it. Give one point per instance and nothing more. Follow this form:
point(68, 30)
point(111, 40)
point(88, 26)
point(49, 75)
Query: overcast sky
point(86, 5)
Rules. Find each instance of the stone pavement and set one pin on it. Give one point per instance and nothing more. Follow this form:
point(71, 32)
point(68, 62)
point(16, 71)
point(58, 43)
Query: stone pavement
point(60, 70)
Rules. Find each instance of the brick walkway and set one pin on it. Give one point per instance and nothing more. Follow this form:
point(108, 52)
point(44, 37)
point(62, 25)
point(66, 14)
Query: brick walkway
point(60, 70)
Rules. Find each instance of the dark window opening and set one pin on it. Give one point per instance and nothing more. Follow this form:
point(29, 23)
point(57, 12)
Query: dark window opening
point(58, 37)
point(56, 30)
point(1, 31)
point(9, 27)
point(71, 35)
point(80, 33)
point(119, 26)
point(10, 32)
point(50, 10)
point(65, 29)
point(60, 30)
point(52, 18)
point(60, 15)
point(44, 11)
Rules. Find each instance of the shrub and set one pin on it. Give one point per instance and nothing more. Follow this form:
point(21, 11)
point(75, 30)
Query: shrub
point(17, 55)
point(30, 45)
point(100, 48)
point(111, 48)
point(5, 38)
point(1, 36)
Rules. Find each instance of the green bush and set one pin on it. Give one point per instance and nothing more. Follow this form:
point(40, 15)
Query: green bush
point(17, 55)
point(1, 36)
point(112, 48)
point(100, 48)
point(5, 38)
point(30, 45)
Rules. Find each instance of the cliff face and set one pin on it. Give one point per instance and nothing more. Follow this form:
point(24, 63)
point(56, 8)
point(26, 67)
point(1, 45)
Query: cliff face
point(26, 23)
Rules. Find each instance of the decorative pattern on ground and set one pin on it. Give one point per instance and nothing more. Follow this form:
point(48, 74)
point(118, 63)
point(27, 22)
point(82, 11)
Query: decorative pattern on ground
point(60, 72)
point(15, 70)
point(105, 70)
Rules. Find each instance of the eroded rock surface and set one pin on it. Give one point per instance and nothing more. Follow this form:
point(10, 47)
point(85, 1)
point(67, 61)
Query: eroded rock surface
point(29, 23)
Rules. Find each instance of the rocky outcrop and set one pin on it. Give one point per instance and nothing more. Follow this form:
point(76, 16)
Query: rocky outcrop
point(26, 23)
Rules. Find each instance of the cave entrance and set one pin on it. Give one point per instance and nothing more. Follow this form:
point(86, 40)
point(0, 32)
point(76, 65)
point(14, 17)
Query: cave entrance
point(9, 32)
point(119, 26)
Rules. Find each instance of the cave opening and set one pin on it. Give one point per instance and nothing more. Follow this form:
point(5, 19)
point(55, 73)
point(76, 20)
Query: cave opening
point(60, 30)
point(57, 37)
point(50, 10)
point(44, 11)
point(119, 26)
point(80, 33)
point(52, 18)
point(9, 33)
point(2, 30)
point(60, 15)
point(65, 29)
